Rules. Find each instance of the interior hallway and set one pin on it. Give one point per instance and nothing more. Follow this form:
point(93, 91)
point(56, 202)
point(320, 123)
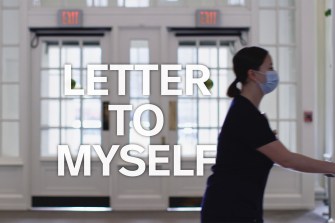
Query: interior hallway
point(313, 216)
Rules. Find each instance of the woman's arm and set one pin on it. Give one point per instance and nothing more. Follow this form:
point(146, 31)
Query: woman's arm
point(278, 153)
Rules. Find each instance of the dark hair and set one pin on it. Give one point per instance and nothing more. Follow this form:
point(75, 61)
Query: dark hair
point(245, 59)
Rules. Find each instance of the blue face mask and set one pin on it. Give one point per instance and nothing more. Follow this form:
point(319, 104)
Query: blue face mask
point(271, 82)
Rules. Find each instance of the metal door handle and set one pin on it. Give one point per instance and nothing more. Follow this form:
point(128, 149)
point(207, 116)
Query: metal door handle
point(105, 116)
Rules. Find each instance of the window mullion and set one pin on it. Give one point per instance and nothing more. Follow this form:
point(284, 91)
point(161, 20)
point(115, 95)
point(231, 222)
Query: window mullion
point(60, 90)
point(218, 86)
point(197, 95)
point(81, 98)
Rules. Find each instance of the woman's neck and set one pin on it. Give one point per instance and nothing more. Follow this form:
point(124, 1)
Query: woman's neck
point(253, 94)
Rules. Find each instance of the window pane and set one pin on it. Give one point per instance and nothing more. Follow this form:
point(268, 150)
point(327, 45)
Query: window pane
point(269, 105)
point(71, 114)
point(71, 137)
point(203, 3)
point(49, 142)
point(167, 3)
point(75, 3)
point(226, 77)
point(139, 52)
point(80, 76)
point(187, 139)
point(225, 57)
point(287, 99)
point(286, 26)
point(92, 113)
point(196, 92)
point(187, 55)
point(267, 3)
point(223, 109)
point(287, 64)
point(235, 2)
point(10, 139)
point(50, 113)
point(10, 3)
point(208, 115)
point(75, 75)
point(273, 54)
point(286, 3)
point(51, 55)
point(274, 126)
point(10, 64)
point(92, 136)
point(208, 136)
point(50, 83)
point(187, 115)
point(181, 84)
point(267, 26)
point(133, 3)
point(97, 3)
point(10, 101)
point(287, 134)
point(214, 76)
point(208, 55)
point(136, 84)
point(91, 53)
point(46, 3)
point(70, 52)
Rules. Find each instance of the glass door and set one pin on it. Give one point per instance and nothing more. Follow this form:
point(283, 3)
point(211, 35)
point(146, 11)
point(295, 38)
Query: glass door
point(144, 192)
point(59, 119)
point(199, 117)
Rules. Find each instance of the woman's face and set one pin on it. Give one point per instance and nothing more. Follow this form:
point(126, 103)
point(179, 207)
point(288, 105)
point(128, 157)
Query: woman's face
point(266, 66)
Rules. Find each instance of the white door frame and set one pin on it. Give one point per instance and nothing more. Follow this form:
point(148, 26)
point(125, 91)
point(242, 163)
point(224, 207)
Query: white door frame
point(44, 179)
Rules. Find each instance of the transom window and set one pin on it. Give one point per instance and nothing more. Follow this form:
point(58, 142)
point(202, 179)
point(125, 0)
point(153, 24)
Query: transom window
point(138, 3)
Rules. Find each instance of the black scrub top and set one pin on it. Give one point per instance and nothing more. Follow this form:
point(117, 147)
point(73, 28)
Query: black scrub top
point(235, 190)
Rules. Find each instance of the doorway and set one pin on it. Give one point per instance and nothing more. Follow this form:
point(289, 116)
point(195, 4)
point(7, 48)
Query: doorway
point(62, 119)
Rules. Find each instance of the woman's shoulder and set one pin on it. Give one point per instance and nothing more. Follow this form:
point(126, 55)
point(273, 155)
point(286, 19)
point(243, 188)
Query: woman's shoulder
point(243, 104)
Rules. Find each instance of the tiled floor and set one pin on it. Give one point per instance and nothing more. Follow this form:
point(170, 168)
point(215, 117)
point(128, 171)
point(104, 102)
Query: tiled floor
point(313, 216)
point(318, 215)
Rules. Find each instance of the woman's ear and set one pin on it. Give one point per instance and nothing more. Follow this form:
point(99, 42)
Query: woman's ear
point(251, 74)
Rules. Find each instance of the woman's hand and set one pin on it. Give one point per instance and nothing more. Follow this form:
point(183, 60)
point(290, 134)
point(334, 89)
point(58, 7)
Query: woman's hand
point(275, 132)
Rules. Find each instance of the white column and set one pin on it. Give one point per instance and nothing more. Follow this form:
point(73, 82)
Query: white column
point(308, 88)
point(331, 92)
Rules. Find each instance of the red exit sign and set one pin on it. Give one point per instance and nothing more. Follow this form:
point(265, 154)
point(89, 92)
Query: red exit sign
point(208, 18)
point(70, 18)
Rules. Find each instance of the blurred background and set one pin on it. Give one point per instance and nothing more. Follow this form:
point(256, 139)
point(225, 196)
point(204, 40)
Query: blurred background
point(39, 36)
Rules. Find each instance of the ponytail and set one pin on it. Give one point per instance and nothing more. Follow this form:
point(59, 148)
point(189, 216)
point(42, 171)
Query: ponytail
point(233, 90)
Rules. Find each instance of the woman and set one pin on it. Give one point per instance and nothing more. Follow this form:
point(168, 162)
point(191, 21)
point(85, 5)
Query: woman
point(247, 147)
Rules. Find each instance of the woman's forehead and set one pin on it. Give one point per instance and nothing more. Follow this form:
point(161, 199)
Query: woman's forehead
point(267, 61)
